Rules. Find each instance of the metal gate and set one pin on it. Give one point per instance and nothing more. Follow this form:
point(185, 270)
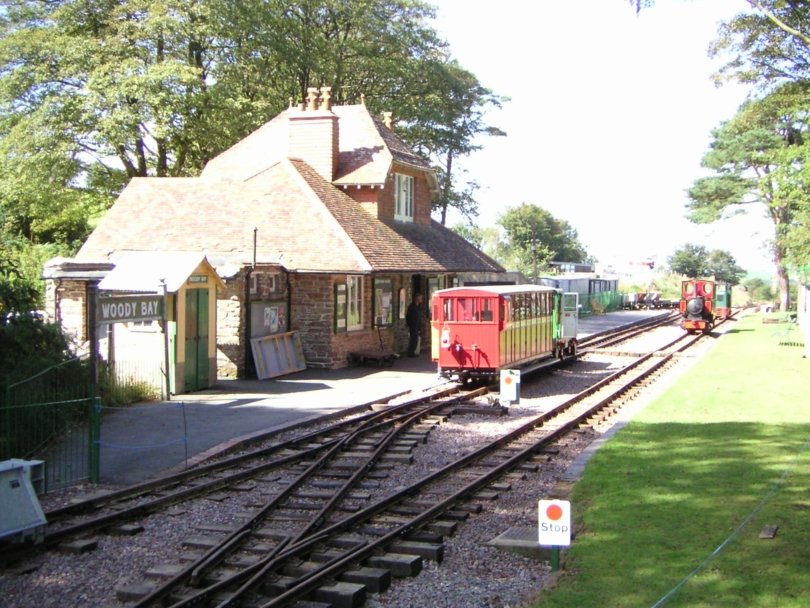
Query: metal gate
point(52, 417)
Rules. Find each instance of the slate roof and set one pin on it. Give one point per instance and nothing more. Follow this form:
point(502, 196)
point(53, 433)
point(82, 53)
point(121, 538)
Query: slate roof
point(302, 221)
point(366, 149)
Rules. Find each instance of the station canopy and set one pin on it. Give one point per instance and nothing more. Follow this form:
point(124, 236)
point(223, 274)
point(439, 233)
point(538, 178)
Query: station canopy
point(144, 271)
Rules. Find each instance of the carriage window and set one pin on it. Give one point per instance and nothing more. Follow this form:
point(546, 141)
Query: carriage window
point(467, 309)
point(486, 310)
point(447, 304)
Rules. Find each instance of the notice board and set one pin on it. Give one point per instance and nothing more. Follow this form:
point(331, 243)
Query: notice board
point(278, 354)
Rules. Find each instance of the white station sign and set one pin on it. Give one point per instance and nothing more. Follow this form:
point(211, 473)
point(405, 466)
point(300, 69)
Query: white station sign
point(554, 523)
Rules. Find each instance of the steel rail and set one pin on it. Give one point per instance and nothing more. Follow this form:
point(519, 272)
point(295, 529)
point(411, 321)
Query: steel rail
point(313, 580)
point(194, 572)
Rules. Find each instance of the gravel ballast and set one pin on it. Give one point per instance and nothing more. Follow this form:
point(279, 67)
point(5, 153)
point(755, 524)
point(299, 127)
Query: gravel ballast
point(472, 573)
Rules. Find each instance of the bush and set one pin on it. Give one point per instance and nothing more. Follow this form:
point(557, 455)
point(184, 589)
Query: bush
point(119, 389)
point(29, 345)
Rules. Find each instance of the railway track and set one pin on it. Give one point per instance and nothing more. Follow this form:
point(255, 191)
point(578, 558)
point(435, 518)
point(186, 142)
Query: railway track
point(347, 556)
point(338, 533)
point(110, 510)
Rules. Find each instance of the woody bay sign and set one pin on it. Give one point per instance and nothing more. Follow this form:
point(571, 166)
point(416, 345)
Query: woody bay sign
point(130, 308)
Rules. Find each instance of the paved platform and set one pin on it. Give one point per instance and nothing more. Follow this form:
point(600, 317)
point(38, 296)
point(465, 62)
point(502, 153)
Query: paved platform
point(142, 441)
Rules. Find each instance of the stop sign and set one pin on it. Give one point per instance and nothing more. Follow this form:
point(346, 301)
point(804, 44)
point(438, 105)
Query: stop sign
point(554, 523)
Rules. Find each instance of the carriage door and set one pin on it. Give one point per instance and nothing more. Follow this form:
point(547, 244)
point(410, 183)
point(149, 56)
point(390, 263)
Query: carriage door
point(196, 367)
point(570, 314)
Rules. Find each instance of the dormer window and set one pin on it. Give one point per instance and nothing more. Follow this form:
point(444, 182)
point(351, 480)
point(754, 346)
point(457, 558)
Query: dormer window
point(403, 197)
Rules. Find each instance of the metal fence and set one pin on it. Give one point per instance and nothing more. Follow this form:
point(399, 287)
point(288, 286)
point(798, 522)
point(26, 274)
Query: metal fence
point(599, 303)
point(53, 417)
point(126, 381)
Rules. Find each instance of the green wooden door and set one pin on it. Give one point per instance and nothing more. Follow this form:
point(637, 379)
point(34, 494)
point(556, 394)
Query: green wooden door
point(196, 367)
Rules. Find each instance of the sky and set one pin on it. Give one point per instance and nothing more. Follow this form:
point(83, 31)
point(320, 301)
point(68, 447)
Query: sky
point(610, 114)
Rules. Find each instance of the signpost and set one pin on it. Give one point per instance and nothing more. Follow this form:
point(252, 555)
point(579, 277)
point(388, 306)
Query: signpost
point(127, 309)
point(510, 386)
point(130, 308)
point(554, 527)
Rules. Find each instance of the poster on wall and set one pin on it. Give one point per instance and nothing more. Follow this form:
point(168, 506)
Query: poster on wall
point(271, 318)
point(267, 317)
point(383, 302)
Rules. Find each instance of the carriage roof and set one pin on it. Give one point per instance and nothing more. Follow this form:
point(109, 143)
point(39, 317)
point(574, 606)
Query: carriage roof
point(495, 290)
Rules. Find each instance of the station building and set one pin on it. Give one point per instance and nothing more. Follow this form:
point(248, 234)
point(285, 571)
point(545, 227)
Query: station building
point(300, 244)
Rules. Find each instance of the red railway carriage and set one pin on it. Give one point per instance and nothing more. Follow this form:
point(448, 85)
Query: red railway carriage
point(697, 305)
point(478, 331)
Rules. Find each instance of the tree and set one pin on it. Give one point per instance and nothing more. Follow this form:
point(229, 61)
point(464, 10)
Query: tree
point(696, 261)
point(534, 238)
point(766, 47)
point(769, 47)
point(450, 117)
point(95, 92)
point(758, 159)
point(489, 240)
point(758, 290)
point(689, 261)
point(723, 266)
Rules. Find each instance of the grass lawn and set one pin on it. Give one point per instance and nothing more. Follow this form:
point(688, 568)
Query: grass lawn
point(669, 511)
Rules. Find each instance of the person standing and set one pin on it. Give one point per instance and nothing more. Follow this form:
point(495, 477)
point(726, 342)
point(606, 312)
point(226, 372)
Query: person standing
point(413, 318)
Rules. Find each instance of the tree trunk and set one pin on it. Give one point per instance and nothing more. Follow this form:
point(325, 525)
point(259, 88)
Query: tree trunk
point(784, 286)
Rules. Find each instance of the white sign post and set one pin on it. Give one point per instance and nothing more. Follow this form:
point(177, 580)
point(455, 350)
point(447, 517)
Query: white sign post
point(510, 386)
point(554, 527)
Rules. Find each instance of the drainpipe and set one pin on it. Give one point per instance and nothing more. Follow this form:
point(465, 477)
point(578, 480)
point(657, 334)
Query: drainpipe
point(248, 310)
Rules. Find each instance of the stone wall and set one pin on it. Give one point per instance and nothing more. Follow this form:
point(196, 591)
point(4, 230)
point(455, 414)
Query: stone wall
point(230, 321)
point(65, 303)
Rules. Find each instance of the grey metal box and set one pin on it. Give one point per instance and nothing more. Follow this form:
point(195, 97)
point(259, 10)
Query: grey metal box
point(21, 515)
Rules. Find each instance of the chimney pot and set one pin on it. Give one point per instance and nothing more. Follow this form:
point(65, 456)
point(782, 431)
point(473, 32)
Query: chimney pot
point(326, 98)
point(388, 120)
point(312, 98)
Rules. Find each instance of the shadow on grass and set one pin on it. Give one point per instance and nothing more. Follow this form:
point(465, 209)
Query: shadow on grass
point(658, 499)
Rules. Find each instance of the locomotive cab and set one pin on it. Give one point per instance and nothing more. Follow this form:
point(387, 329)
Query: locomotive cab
point(697, 305)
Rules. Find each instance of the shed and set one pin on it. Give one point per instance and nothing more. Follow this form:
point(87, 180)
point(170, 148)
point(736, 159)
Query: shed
point(184, 331)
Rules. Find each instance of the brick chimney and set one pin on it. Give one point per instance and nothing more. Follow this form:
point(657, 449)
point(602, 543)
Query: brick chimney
point(314, 133)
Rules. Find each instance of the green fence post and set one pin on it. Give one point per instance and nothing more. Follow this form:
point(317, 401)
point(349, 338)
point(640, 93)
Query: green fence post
point(95, 436)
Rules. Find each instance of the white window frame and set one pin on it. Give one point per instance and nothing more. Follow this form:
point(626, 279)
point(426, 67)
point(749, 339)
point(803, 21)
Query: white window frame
point(403, 197)
point(354, 303)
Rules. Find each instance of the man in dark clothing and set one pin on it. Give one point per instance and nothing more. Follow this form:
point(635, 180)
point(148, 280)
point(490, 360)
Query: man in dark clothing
point(414, 320)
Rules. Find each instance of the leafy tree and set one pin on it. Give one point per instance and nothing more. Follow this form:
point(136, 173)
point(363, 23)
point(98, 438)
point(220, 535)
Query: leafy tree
point(689, 261)
point(534, 238)
point(758, 290)
point(17, 293)
point(489, 240)
point(758, 158)
point(450, 117)
point(723, 266)
point(696, 261)
point(471, 234)
point(767, 46)
point(95, 92)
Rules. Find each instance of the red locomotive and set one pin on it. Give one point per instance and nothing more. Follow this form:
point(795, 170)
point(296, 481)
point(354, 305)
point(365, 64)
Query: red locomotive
point(478, 331)
point(697, 305)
